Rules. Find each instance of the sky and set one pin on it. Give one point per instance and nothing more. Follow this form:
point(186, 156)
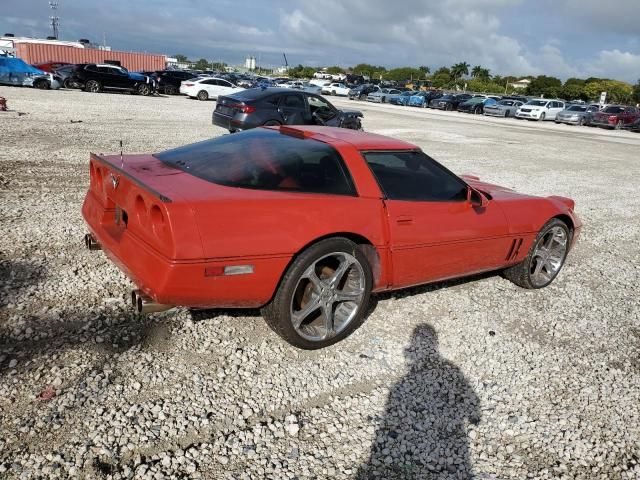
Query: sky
point(563, 38)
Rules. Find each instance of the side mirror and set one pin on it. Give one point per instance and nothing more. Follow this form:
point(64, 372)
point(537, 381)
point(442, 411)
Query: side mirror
point(476, 199)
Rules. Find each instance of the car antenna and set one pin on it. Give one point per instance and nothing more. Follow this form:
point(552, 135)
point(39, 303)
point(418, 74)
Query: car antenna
point(121, 158)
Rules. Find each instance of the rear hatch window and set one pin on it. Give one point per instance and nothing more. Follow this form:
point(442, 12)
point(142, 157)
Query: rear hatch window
point(264, 159)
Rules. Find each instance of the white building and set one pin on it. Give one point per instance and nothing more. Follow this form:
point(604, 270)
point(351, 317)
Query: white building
point(250, 63)
point(520, 84)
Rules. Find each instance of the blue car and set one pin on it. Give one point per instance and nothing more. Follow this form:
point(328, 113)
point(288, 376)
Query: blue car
point(420, 99)
point(401, 98)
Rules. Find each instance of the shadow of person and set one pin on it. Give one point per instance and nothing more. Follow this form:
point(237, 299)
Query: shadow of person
point(423, 431)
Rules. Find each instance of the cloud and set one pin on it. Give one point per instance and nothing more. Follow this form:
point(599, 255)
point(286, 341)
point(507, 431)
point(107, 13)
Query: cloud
point(581, 38)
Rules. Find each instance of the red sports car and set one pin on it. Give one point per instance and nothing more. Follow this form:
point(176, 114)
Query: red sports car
point(306, 222)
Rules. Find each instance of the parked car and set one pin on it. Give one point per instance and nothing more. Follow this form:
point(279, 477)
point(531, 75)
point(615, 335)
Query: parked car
point(616, 116)
point(575, 114)
point(422, 98)
point(503, 108)
point(361, 91)
point(206, 88)
point(336, 88)
point(591, 111)
point(449, 101)
point(94, 78)
point(402, 98)
point(169, 81)
point(540, 109)
point(307, 222)
point(16, 72)
point(383, 95)
point(280, 106)
point(476, 105)
point(635, 127)
point(64, 73)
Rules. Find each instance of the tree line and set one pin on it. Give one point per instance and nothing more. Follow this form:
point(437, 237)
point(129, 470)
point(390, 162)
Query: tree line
point(479, 79)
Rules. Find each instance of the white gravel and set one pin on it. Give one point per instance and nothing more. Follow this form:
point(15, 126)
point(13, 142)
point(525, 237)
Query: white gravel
point(469, 378)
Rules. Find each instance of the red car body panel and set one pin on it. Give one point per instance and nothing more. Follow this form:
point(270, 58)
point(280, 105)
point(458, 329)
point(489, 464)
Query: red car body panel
point(173, 233)
point(50, 67)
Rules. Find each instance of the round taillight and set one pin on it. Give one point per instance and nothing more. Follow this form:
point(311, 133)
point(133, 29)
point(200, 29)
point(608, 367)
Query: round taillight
point(98, 178)
point(141, 210)
point(158, 223)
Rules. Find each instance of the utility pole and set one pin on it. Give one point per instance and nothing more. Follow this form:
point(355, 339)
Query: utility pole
point(55, 20)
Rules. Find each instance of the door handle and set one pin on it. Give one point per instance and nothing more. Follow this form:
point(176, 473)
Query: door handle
point(404, 220)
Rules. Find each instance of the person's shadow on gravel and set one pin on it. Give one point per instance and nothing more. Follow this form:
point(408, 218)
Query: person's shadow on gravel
point(423, 433)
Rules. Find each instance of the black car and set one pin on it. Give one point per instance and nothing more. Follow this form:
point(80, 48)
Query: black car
point(169, 80)
point(449, 101)
point(280, 106)
point(97, 77)
point(361, 91)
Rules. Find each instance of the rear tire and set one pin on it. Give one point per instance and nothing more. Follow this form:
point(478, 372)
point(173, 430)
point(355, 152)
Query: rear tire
point(93, 86)
point(332, 276)
point(545, 259)
point(203, 95)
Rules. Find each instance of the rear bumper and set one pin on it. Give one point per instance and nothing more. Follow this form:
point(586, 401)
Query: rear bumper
point(182, 282)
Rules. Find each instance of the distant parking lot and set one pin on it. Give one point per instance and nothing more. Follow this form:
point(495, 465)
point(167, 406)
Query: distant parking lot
point(544, 383)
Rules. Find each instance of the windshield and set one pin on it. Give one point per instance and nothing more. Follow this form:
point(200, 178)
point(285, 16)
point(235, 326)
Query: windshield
point(264, 159)
point(507, 103)
point(577, 108)
point(537, 103)
point(613, 110)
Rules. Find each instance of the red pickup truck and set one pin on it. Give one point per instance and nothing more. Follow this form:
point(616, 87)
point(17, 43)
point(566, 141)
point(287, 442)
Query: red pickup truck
point(616, 116)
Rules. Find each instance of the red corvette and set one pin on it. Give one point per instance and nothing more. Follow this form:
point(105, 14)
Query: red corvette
point(306, 222)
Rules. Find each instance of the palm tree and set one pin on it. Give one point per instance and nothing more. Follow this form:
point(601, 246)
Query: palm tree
point(476, 71)
point(459, 69)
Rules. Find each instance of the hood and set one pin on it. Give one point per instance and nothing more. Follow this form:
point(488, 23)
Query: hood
point(489, 188)
point(351, 112)
point(137, 76)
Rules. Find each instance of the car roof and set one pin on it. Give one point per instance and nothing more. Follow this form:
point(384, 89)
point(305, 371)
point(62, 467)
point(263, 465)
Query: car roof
point(359, 139)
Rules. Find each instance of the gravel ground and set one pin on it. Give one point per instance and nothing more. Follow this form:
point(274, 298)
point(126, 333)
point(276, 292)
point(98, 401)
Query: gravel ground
point(468, 379)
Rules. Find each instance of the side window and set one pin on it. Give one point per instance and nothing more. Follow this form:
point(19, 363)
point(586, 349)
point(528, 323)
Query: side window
point(412, 175)
point(224, 83)
point(293, 101)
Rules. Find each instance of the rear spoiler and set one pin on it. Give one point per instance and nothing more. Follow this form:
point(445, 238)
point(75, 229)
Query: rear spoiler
point(119, 168)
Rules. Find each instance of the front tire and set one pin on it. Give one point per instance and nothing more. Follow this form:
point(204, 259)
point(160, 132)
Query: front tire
point(41, 84)
point(542, 117)
point(545, 259)
point(202, 95)
point(170, 90)
point(323, 296)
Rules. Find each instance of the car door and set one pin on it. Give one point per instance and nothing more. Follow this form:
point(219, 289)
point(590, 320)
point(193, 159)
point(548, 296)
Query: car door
point(326, 112)
point(628, 116)
point(210, 86)
point(225, 87)
point(294, 109)
point(435, 232)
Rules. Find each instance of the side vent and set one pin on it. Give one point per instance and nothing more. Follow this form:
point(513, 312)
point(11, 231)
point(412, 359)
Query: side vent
point(514, 250)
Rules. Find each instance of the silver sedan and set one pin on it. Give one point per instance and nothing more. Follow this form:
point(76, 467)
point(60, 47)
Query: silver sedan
point(576, 114)
point(504, 108)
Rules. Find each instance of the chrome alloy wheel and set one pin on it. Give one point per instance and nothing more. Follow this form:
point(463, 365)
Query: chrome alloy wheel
point(548, 256)
point(328, 296)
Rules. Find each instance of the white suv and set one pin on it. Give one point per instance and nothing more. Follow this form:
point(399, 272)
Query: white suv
point(540, 109)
